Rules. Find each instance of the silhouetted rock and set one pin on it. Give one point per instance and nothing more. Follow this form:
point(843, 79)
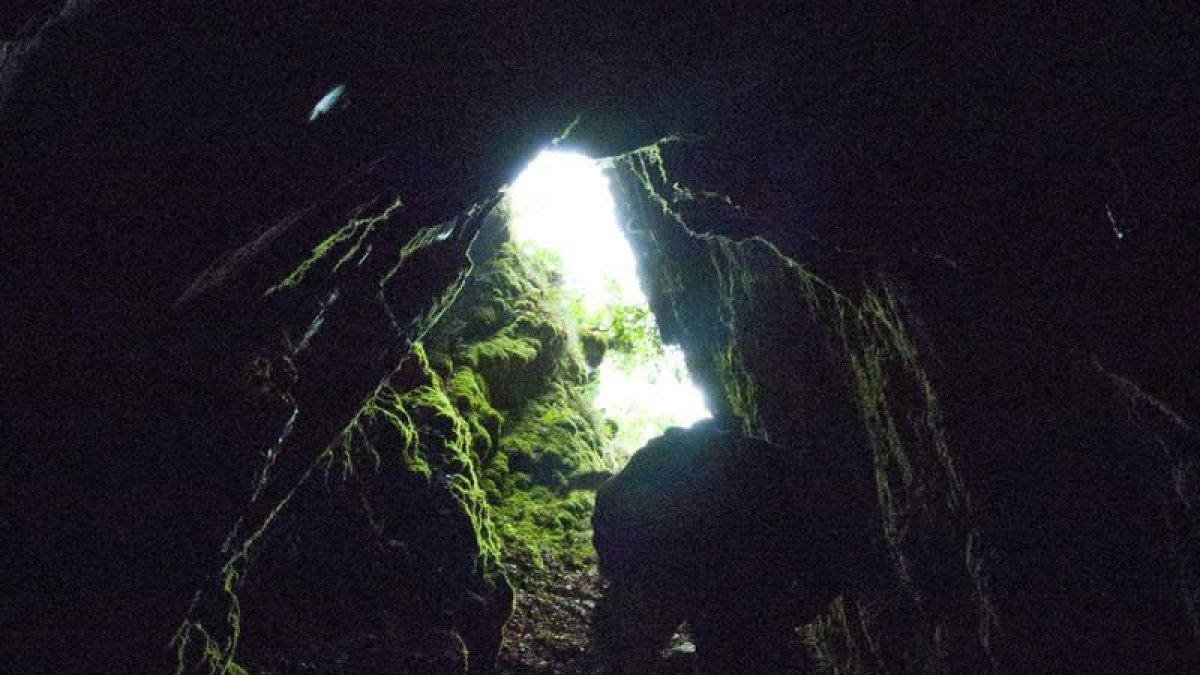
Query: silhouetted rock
point(741, 538)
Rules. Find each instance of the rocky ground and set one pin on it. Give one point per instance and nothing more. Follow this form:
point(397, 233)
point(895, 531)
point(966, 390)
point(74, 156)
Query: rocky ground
point(548, 634)
point(549, 631)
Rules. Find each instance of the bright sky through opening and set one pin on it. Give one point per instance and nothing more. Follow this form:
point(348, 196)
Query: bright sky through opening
point(562, 202)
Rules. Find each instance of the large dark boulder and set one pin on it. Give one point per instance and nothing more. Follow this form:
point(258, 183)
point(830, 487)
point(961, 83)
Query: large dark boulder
point(742, 538)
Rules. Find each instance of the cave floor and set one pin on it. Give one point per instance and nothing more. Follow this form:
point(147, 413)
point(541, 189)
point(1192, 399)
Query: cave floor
point(549, 631)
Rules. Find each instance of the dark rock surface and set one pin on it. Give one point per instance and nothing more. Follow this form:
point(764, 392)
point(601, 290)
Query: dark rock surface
point(1010, 467)
point(741, 538)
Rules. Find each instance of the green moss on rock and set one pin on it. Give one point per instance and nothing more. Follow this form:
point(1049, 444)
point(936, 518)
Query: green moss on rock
point(344, 245)
point(554, 436)
point(468, 391)
point(517, 376)
point(540, 526)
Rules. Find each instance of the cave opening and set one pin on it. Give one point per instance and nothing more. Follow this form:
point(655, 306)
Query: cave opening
point(562, 211)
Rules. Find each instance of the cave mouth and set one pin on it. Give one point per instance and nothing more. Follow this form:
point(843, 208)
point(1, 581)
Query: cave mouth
point(563, 212)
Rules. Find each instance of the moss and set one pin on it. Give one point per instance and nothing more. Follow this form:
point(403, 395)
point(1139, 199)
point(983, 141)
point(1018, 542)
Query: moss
point(503, 352)
point(428, 433)
point(518, 380)
point(199, 649)
point(486, 317)
point(555, 435)
point(348, 240)
point(424, 237)
point(505, 329)
point(836, 642)
point(737, 388)
point(516, 363)
point(503, 415)
point(444, 426)
point(539, 526)
point(468, 391)
point(215, 655)
point(595, 346)
point(410, 420)
point(492, 405)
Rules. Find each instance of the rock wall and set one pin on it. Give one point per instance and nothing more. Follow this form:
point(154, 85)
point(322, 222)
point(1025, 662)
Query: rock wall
point(836, 373)
point(988, 508)
point(396, 546)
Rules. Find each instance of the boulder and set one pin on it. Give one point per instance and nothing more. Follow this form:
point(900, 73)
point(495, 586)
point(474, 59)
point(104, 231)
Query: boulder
point(742, 538)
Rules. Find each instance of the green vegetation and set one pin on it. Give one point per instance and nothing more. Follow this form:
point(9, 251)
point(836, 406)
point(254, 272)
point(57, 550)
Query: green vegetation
point(436, 435)
point(539, 525)
point(211, 650)
point(348, 240)
point(628, 331)
point(514, 366)
point(433, 435)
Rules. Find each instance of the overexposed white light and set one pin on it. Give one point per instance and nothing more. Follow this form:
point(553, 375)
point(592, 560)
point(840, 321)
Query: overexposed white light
point(561, 203)
point(646, 399)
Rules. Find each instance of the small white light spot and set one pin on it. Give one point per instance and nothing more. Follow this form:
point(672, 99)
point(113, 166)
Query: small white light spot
point(327, 102)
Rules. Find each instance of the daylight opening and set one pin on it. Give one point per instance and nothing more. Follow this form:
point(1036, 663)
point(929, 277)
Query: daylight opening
point(562, 209)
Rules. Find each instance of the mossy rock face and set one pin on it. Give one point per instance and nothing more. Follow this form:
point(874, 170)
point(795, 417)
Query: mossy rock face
point(346, 320)
point(504, 327)
point(540, 526)
point(518, 378)
point(468, 392)
point(514, 365)
point(554, 436)
point(501, 288)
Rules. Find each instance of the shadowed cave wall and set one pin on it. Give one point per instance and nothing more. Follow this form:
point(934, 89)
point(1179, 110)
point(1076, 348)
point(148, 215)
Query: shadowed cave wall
point(976, 279)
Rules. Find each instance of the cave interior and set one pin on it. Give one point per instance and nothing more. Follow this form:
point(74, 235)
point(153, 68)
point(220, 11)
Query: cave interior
point(288, 390)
